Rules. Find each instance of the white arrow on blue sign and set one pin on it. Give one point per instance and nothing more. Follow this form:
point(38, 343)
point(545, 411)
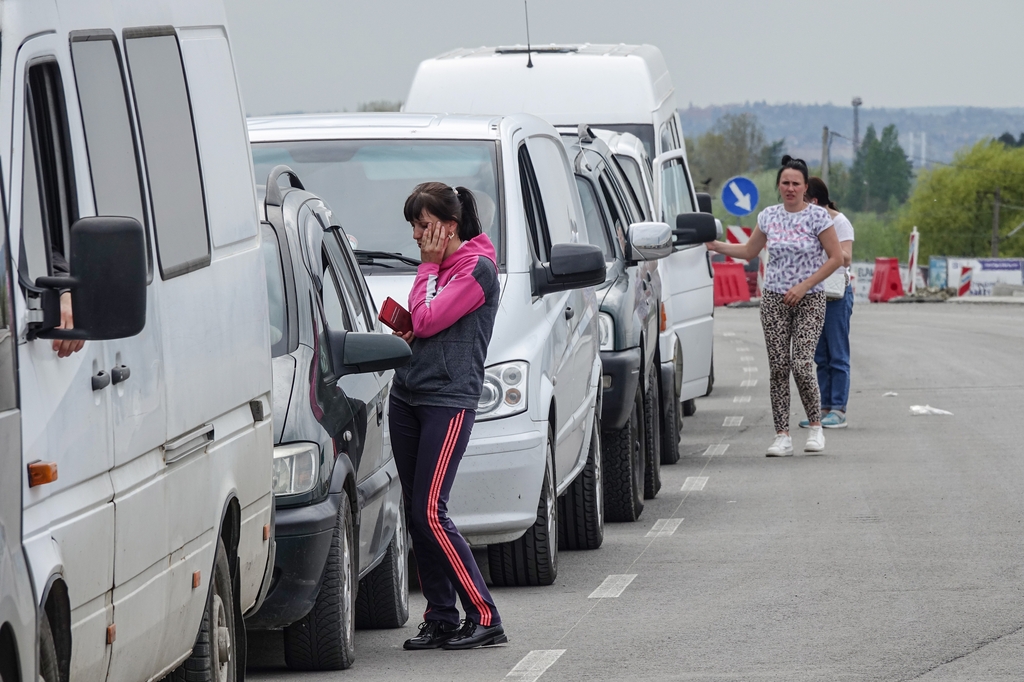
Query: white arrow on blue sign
point(739, 195)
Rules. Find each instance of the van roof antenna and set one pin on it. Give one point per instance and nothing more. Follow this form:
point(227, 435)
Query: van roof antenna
point(529, 57)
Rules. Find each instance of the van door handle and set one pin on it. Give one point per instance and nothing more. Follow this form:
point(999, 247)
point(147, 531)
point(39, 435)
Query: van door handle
point(120, 373)
point(569, 313)
point(100, 380)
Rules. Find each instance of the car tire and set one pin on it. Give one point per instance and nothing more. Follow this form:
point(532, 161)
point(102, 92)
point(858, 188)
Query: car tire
point(623, 462)
point(215, 654)
point(581, 508)
point(690, 407)
point(49, 667)
point(324, 638)
point(383, 599)
point(671, 426)
point(652, 441)
point(533, 558)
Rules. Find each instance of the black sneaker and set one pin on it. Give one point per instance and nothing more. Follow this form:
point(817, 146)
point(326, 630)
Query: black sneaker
point(472, 635)
point(433, 633)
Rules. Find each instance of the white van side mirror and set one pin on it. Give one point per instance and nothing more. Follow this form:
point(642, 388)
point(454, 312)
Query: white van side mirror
point(649, 241)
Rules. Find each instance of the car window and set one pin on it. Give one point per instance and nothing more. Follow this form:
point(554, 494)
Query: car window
point(356, 303)
point(668, 142)
point(548, 158)
point(275, 292)
point(597, 230)
point(675, 191)
point(533, 207)
point(334, 310)
point(366, 182)
point(615, 210)
point(172, 160)
point(109, 139)
point(635, 183)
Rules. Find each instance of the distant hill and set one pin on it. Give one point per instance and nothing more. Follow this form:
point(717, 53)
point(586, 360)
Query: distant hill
point(946, 129)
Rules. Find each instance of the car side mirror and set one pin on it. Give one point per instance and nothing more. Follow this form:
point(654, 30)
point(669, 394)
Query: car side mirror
point(649, 241)
point(364, 352)
point(694, 228)
point(107, 283)
point(572, 266)
point(703, 202)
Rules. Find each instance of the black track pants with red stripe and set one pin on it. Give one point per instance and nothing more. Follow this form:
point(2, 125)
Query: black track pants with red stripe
point(428, 443)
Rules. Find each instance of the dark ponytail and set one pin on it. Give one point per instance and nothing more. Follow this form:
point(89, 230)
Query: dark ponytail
point(447, 203)
point(818, 190)
point(788, 162)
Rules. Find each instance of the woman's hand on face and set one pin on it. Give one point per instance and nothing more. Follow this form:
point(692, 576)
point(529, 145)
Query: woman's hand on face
point(433, 243)
point(407, 337)
point(795, 295)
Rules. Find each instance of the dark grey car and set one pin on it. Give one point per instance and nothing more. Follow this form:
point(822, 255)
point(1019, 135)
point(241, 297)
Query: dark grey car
point(341, 541)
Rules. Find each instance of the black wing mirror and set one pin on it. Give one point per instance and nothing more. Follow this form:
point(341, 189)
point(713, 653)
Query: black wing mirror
point(703, 202)
point(363, 352)
point(694, 228)
point(107, 282)
point(572, 266)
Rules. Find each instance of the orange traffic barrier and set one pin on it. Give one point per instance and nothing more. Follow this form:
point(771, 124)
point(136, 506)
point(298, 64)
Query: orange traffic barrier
point(730, 283)
point(886, 282)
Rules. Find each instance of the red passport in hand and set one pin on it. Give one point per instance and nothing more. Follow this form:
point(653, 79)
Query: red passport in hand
point(395, 316)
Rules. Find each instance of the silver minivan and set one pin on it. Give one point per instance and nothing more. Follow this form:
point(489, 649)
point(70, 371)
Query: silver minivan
point(531, 474)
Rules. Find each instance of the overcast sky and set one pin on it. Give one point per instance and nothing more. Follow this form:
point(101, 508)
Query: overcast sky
point(329, 55)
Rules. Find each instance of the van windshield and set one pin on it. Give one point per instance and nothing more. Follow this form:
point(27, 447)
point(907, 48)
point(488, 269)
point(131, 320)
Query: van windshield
point(645, 131)
point(366, 182)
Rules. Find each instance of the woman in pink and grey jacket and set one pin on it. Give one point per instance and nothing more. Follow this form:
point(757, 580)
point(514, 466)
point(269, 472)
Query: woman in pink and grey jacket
point(433, 405)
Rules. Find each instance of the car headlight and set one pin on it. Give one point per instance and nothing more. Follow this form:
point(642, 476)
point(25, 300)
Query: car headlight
point(504, 390)
point(295, 468)
point(606, 327)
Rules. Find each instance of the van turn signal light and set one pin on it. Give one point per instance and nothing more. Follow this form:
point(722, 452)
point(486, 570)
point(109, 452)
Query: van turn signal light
point(266, 532)
point(41, 473)
point(111, 633)
point(197, 579)
point(664, 318)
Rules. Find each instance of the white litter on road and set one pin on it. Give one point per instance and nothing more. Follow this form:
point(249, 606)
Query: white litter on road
point(663, 528)
point(534, 664)
point(612, 586)
point(890, 394)
point(694, 483)
point(925, 410)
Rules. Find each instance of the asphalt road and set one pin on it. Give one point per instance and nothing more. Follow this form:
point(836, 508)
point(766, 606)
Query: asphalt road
point(896, 555)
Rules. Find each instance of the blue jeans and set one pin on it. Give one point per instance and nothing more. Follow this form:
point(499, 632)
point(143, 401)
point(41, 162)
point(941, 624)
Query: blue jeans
point(832, 355)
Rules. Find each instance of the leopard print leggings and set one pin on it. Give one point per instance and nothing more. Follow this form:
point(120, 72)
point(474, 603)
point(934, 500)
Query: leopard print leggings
point(791, 335)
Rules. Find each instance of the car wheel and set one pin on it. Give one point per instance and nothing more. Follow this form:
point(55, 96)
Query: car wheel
point(623, 463)
point(671, 426)
point(533, 558)
point(581, 508)
point(214, 656)
point(652, 433)
point(49, 668)
point(690, 407)
point(324, 639)
point(383, 599)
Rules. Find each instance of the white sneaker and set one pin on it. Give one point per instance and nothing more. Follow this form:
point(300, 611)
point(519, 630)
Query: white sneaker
point(815, 440)
point(781, 447)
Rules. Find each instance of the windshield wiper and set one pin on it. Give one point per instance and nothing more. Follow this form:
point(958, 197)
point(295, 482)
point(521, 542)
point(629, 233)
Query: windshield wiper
point(368, 257)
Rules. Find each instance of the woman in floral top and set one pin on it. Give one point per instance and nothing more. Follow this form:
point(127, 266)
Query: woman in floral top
point(803, 251)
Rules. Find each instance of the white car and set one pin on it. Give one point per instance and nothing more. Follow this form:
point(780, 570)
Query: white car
point(621, 88)
point(532, 442)
point(146, 456)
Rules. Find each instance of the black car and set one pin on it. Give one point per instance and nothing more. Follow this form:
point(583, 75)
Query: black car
point(341, 540)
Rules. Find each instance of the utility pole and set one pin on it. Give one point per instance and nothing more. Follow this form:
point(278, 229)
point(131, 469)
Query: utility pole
point(857, 101)
point(824, 155)
point(995, 224)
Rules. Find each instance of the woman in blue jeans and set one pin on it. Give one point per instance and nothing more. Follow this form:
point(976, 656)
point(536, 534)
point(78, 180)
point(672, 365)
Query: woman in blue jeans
point(832, 355)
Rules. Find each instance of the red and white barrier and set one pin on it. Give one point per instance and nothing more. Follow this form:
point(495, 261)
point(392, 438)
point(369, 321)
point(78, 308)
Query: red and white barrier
point(965, 282)
point(736, 234)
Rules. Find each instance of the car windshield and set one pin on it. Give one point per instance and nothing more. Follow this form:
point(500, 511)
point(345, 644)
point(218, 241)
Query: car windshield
point(366, 183)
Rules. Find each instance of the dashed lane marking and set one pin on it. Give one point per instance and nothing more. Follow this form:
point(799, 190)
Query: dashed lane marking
point(750, 369)
point(694, 483)
point(534, 664)
point(747, 358)
point(748, 383)
point(715, 450)
point(742, 350)
point(613, 586)
point(729, 334)
point(663, 528)
point(741, 398)
point(733, 421)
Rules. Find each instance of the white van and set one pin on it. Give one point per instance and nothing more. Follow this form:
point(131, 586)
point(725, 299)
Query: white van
point(531, 473)
point(146, 455)
point(622, 88)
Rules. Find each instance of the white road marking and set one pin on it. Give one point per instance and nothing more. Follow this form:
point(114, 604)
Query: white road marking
point(741, 399)
point(747, 358)
point(663, 528)
point(694, 483)
point(729, 334)
point(733, 421)
point(534, 664)
point(748, 383)
point(612, 586)
point(750, 369)
point(715, 450)
point(742, 350)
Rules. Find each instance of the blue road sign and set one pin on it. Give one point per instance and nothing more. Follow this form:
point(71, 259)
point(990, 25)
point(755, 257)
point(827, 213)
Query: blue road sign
point(739, 195)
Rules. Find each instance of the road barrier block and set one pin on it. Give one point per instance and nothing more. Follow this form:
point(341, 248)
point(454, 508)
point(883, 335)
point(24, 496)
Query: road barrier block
point(730, 283)
point(886, 282)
